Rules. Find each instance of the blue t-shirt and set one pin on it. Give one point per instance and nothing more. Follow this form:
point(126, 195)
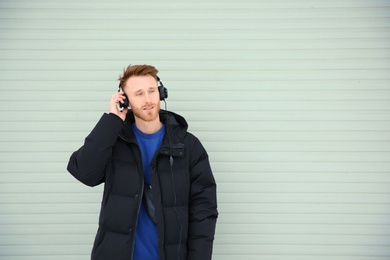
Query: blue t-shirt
point(146, 240)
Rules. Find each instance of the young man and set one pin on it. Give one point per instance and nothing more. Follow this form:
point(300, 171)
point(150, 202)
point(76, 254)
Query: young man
point(159, 198)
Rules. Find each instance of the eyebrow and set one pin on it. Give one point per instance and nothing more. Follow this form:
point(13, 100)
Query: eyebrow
point(140, 90)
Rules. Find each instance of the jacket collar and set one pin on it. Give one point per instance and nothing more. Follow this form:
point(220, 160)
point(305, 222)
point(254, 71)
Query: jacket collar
point(175, 126)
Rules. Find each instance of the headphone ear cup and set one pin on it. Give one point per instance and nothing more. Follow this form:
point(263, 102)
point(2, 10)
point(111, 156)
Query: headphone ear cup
point(163, 92)
point(125, 101)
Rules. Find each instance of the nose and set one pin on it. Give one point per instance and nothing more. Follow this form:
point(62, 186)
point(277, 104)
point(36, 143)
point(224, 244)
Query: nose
point(147, 97)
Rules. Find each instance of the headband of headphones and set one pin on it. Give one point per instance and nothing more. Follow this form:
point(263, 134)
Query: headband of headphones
point(163, 91)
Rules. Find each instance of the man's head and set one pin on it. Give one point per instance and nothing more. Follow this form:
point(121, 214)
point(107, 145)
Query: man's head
point(137, 70)
point(139, 82)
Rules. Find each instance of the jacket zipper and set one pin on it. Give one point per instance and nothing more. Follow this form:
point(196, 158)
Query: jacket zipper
point(140, 195)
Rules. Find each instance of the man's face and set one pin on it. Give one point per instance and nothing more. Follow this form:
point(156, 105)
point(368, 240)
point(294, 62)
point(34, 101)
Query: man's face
point(144, 98)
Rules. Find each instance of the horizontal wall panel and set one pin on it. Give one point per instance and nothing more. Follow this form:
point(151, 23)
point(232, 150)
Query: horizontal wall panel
point(220, 146)
point(193, 24)
point(186, 13)
point(232, 249)
point(199, 96)
point(222, 156)
point(198, 84)
point(313, 250)
point(307, 167)
point(200, 44)
point(220, 106)
point(228, 219)
point(224, 197)
point(373, 137)
point(216, 126)
point(290, 208)
point(308, 187)
point(249, 34)
point(223, 229)
point(228, 177)
point(146, 56)
point(249, 239)
point(178, 5)
point(262, 115)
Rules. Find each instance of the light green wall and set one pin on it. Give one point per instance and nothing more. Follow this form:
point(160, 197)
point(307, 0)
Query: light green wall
point(290, 98)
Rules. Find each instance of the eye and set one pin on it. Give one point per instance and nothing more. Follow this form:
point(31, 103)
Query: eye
point(139, 94)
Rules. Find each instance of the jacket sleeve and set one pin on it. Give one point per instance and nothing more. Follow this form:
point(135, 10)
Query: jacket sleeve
point(88, 163)
point(203, 206)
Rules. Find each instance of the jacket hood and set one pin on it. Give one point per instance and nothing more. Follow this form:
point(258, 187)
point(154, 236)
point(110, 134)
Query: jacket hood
point(176, 124)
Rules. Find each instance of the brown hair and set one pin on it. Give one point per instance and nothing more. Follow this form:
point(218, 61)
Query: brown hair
point(137, 70)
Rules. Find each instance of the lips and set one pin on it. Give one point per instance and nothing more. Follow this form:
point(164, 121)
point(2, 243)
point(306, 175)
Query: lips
point(148, 108)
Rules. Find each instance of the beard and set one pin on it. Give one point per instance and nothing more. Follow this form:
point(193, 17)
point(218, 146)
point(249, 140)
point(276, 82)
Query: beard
point(147, 115)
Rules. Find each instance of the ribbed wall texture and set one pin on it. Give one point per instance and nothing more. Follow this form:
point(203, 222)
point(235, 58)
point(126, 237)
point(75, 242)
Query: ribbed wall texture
point(290, 98)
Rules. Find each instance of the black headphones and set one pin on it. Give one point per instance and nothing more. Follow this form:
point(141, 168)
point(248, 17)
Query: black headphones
point(163, 92)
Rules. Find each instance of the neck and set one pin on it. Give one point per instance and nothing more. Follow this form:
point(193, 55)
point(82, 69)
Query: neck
point(148, 127)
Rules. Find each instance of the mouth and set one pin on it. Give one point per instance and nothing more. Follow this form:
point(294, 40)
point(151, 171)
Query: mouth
point(148, 108)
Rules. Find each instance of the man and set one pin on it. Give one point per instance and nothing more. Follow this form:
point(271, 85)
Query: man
point(159, 199)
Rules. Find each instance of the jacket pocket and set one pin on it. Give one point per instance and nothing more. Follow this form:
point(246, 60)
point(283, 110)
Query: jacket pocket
point(120, 213)
point(113, 246)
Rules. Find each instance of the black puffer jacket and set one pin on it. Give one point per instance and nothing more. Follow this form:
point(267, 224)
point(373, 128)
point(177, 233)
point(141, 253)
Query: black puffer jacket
point(186, 212)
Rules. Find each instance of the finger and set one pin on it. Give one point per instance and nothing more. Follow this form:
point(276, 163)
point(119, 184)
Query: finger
point(117, 98)
point(120, 96)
